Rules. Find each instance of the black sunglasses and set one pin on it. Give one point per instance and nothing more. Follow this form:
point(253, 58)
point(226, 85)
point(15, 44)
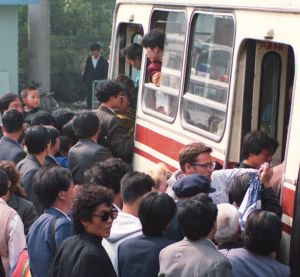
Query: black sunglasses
point(105, 215)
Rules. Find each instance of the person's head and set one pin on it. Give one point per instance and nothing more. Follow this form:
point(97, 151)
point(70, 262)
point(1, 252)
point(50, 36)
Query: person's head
point(67, 130)
point(133, 55)
point(10, 101)
point(239, 188)
point(258, 148)
point(54, 139)
point(42, 118)
point(95, 49)
point(62, 116)
point(108, 174)
point(262, 232)
point(228, 227)
point(112, 92)
point(65, 145)
point(153, 42)
point(195, 158)
point(14, 177)
point(92, 211)
point(155, 213)
point(31, 97)
point(12, 121)
point(160, 174)
point(134, 185)
point(197, 218)
point(53, 186)
point(191, 185)
point(86, 125)
point(37, 140)
point(4, 182)
point(127, 83)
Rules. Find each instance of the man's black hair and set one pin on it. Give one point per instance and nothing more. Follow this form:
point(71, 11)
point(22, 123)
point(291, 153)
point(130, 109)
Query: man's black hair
point(36, 139)
point(197, 217)
point(53, 134)
point(4, 181)
point(108, 174)
point(262, 232)
point(134, 185)
point(67, 130)
point(154, 39)
point(85, 124)
point(65, 145)
point(95, 46)
point(155, 213)
point(133, 51)
point(49, 181)
point(108, 89)
point(239, 187)
point(62, 116)
point(256, 141)
point(42, 118)
point(12, 121)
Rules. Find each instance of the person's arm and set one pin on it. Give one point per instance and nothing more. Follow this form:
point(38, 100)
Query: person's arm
point(16, 241)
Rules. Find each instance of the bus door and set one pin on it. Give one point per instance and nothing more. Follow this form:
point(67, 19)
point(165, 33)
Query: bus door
point(266, 103)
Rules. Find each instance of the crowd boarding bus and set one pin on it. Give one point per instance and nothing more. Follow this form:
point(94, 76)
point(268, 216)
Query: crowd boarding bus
point(228, 67)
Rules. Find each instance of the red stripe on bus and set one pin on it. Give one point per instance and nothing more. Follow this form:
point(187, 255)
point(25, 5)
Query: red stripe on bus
point(152, 158)
point(286, 228)
point(158, 142)
point(288, 199)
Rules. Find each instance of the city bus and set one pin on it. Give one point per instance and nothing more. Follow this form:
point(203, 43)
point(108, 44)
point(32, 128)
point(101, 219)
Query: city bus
point(229, 67)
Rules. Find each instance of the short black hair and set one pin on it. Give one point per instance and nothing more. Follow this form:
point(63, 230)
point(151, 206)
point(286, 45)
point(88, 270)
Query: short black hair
point(155, 213)
point(65, 144)
point(95, 46)
point(85, 124)
point(62, 116)
point(262, 232)
point(53, 134)
point(108, 173)
point(49, 181)
point(239, 187)
point(134, 185)
point(108, 89)
point(12, 121)
point(42, 118)
point(4, 180)
point(36, 139)
point(5, 100)
point(256, 141)
point(87, 199)
point(133, 51)
point(197, 216)
point(24, 92)
point(154, 39)
point(67, 130)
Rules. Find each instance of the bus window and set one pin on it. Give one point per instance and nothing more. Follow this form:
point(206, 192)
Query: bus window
point(127, 33)
point(269, 95)
point(162, 101)
point(207, 86)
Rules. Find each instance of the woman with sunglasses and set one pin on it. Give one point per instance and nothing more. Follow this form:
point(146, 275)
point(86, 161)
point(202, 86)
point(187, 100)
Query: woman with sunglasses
point(83, 254)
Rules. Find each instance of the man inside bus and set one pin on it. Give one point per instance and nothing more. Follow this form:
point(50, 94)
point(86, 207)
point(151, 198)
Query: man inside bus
point(258, 148)
point(154, 45)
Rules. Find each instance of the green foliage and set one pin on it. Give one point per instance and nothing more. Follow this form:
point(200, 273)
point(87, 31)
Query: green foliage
point(75, 24)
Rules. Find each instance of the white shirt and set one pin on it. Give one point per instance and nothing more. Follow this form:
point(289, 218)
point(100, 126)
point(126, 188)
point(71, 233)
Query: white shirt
point(95, 61)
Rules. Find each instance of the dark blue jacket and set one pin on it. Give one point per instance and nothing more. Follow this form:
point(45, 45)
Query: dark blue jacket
point(40, 240)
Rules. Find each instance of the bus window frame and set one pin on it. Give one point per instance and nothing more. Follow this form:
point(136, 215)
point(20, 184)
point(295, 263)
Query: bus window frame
point(148, 85)
point(192, 25)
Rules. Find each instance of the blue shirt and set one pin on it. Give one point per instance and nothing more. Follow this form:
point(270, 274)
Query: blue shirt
point(41, 243)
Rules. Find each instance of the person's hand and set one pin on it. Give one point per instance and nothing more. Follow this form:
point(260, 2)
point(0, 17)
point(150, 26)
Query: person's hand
point(266, 173)
point(156, 79)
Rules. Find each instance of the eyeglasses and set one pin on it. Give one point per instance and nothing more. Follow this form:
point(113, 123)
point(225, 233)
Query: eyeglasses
point(209, 166)
point(105, 215)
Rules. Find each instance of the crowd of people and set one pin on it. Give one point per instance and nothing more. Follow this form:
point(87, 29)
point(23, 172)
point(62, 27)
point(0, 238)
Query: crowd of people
point(71, 205)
